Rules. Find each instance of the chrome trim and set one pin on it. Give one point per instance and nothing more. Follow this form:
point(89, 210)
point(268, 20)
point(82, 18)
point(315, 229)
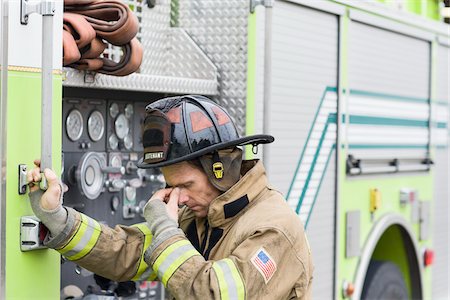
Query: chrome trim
point(339, 152)
point(3, 162)
point(377, 231)
point(267, 88)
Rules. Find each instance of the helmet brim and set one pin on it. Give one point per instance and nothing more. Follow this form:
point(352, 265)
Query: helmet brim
point(247, 140)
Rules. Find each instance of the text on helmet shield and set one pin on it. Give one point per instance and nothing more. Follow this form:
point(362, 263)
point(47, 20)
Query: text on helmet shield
point(154, 155)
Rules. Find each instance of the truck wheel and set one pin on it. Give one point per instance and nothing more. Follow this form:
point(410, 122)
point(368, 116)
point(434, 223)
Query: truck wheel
point(384, 281)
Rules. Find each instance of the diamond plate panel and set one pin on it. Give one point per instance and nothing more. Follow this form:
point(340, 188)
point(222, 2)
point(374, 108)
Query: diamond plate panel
point(220, 30)
point(172, 61)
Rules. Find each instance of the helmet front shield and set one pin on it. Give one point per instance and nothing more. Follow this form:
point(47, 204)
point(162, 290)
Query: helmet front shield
point(156, 137)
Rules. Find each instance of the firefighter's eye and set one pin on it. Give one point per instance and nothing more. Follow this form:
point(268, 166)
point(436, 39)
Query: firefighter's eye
point(186, 185)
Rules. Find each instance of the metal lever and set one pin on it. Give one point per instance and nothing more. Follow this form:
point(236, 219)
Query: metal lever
point(22, 179)
point(32, 233)
point(114, 170)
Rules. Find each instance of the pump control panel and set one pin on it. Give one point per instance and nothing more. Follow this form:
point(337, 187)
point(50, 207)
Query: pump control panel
point(102, 143)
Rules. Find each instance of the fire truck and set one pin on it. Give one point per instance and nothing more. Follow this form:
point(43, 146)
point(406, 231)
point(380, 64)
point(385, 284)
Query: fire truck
point(356, 94)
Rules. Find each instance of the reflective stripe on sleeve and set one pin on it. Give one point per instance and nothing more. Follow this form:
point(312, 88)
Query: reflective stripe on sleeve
point(172, 258)
point(144, 272)
point(230, 282)
point(83, 240)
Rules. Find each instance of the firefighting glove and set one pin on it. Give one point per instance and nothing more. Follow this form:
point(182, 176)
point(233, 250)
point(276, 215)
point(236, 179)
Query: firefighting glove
point(161, 225)
point(54, 219)
point(155, 213)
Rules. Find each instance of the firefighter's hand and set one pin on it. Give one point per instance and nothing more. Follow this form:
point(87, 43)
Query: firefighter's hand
point(170, 197)
point(161, 211)
point(51, 199)
point(47, 206)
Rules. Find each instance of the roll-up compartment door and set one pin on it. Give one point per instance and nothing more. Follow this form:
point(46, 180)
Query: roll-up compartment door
point(440, 128)
point(301, 162)
point(388, 101)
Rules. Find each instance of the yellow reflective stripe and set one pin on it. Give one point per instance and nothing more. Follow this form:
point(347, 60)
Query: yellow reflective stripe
point(223, 286)
point(231, 285)
point(84, 239)
point(172, 258)
point(76, 237)
point(176, 264)
point(166, 253)
point(143, 227)
point(237, 278)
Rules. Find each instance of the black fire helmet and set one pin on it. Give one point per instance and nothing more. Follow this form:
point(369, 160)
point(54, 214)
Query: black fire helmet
point(183, 128)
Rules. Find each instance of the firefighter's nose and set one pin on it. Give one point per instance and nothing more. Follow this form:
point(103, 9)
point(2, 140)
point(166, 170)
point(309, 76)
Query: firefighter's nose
point(183, 198)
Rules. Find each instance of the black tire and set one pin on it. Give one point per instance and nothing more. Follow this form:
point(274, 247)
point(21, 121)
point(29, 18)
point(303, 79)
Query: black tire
point(384, 281)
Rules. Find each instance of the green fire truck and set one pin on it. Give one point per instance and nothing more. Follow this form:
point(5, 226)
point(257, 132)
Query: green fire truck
point(356, 94)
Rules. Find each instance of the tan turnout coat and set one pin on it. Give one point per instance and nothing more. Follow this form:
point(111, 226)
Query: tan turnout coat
point(251, 245)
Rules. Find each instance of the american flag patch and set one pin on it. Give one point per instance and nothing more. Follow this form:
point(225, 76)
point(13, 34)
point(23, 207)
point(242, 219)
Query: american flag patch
point(264, 264)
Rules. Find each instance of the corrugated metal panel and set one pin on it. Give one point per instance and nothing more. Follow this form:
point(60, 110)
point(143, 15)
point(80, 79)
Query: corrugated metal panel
point(303, 121)
point(323, 226)
point(388, 106)
point(443, 65)
point(440, 275)
point(387, 62)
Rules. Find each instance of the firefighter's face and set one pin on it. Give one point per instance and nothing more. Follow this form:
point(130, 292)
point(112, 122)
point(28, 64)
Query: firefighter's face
point(196, 192)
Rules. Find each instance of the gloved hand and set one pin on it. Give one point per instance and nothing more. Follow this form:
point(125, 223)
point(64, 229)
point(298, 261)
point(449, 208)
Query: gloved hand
point(47, 206)
point(161, 211)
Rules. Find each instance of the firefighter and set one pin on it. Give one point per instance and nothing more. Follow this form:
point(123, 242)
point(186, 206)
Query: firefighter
point(234, 237)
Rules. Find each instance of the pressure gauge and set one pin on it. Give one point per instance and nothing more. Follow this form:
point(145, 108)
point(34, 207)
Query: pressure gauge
point(89, 174)
point(113, 141)
point(114, 110)
point(129, 111)
point(96, 125)
point(128, 142)
point(122, 126)
point(74, 125)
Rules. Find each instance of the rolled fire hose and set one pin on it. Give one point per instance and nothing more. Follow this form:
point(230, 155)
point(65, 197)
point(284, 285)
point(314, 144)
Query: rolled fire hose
point(93, 49)
point(80, 29)
point(110, 20)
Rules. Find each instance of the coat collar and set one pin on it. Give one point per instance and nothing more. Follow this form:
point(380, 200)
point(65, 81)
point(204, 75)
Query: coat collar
point(230, 204)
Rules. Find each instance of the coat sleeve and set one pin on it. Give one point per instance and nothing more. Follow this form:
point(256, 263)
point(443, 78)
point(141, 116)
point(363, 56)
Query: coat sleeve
point(265, 265)
point(115, 253)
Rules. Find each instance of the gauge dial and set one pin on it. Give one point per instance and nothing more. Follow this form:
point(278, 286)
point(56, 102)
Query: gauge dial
point(74, 125)
point(96, 125)
point(114, 110)
point(129, 111)
point(122, 126)
point(89, 175)
point(113, 142)
point(128, 142)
